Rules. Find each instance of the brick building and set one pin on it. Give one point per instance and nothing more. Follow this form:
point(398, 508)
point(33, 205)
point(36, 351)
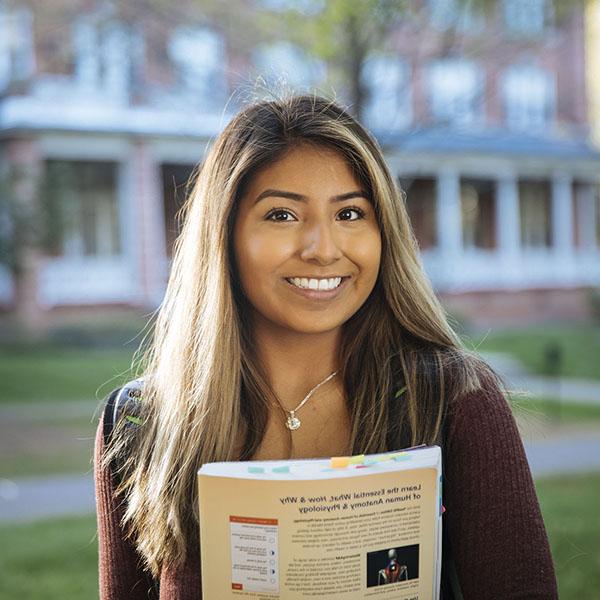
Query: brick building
point(483, 118)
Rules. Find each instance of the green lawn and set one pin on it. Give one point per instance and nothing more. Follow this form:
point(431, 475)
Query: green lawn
point(569, 506)
point(46, 447)
point(547, 409)
point(49, 560)
point(56, 559)
point(46, 374)
point(579, 344)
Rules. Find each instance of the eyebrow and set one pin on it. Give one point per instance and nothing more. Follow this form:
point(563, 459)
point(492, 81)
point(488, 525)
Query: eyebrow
point(302, 198)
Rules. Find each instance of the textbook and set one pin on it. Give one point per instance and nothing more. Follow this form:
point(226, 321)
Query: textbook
point(341, 528)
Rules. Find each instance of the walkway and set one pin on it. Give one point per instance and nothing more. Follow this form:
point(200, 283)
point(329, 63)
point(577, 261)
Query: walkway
point(37, 498)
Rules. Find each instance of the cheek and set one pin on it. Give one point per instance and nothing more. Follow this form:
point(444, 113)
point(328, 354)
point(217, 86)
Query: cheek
point(259, 256)
point(368, 255)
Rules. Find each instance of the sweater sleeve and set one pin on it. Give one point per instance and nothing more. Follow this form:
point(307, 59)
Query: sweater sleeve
point(120, 574)
point(493, 519)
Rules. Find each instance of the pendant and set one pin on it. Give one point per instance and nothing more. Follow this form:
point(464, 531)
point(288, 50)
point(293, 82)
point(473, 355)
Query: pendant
point(293, 422)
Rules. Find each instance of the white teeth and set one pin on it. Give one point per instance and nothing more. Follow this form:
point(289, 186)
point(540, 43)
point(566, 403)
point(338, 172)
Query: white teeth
point(316, 284)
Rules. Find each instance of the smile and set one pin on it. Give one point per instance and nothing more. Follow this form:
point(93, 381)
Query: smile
point(304, 283)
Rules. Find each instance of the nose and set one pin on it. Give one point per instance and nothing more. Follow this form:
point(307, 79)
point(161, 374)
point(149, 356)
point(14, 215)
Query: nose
point(319, 244)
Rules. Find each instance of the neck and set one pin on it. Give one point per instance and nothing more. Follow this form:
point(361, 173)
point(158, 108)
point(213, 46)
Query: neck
point(295, 362)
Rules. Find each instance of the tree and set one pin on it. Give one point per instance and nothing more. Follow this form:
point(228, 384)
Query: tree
point(344, 33)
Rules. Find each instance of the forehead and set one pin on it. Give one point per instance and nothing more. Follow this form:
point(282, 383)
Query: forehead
point(304, 169)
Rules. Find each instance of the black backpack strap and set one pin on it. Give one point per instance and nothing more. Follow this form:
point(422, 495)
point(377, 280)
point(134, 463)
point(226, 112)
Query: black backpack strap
point(123, 403)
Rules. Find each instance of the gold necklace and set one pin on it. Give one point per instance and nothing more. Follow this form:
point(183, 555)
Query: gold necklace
point(293, 422)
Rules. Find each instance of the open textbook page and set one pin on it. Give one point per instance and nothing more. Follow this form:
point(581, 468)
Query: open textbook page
point(342, 528)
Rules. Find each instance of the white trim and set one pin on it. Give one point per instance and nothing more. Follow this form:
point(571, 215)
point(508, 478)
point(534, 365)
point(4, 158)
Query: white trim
point(561, 218)
point(448, 214)
point(508, 225)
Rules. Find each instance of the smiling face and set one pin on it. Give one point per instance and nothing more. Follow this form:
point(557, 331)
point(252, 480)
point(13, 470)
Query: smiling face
point(307, 243)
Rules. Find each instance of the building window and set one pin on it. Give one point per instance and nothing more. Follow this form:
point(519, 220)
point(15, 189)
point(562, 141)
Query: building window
point(456, 91)
point(17, 58)
point(103, 56)
point(389, 99)
point(478, 208)
point(199, 58)
point(526, 17)
point(534, 202)
point(421, 194)
point(81, 205)
point(529, 97)
point(283, 64)
point(455, 15)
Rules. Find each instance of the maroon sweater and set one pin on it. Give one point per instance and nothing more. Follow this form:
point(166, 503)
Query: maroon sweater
point(492, 519)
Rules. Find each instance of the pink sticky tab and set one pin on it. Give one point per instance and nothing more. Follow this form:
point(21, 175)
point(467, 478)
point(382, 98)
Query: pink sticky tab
point(443, 509)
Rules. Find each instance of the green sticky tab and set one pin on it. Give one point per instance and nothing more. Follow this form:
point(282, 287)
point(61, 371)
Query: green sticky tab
point(256, 470)
point(280, 469)
point(400, 392)
point(132, 419)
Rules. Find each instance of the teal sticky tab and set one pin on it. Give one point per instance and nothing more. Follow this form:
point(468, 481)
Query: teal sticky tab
point(280, 469)
point(370, 462)
point(256, 470)
point(401, 458)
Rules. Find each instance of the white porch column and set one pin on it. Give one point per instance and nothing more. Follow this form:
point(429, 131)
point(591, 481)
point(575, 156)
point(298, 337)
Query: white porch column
point(586, 216)
point(148, 224)
point(508, 220)
point(449, 217)
point(562, 214)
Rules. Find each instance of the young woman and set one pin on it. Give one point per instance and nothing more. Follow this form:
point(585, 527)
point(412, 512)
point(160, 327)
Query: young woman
point(298, 322)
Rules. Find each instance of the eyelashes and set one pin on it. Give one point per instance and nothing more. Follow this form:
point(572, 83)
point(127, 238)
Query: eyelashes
point(284, 215)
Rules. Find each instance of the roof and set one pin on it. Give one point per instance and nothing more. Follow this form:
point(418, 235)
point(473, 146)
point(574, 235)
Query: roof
point(489, 141)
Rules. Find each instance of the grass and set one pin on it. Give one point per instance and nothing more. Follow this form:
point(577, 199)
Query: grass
point(57, 559)
point(59, 374)
point(556, 411)
point(570, 513)
point(579, 347)
point(46, 447)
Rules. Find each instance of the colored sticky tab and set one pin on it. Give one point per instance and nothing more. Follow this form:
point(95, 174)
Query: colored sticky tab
point(369, 462)
point(280, 469)
point(359, 459)
point(339, 462)
point(255, 470)
point(443, 509)
point(401, 457)
point(365, 466)
point(400, 392)
point(134, 420)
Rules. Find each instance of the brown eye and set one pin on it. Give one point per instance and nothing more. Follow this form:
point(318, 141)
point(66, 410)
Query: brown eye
point(351, 213)
point(280, 215)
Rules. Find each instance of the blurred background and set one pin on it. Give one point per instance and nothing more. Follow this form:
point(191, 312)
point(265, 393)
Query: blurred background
point(488, 112)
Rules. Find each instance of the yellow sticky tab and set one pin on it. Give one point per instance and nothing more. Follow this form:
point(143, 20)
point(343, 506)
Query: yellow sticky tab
point(359, 459)
point(340, 462)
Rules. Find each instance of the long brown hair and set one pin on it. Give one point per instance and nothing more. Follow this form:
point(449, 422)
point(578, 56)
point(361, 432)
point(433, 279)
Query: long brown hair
point(203, 387)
